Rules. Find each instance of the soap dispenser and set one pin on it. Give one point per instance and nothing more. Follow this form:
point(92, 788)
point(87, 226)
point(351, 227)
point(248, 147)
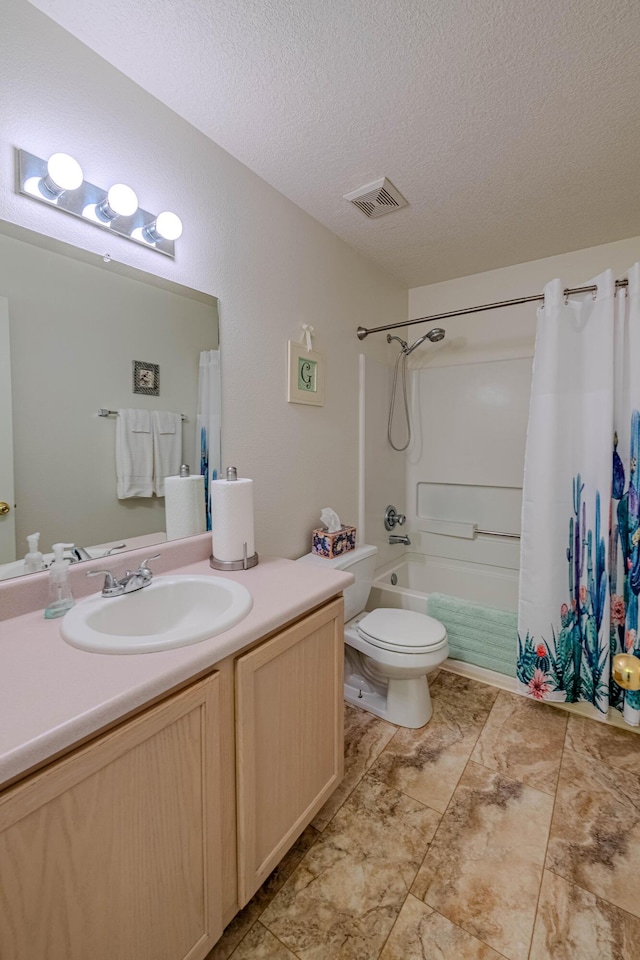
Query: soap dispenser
point(33, 561)
point(60, 596)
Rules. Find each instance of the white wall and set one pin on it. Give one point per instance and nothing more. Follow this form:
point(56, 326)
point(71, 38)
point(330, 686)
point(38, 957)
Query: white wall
point(510, 331)
point(272, 266)
point(471, 394)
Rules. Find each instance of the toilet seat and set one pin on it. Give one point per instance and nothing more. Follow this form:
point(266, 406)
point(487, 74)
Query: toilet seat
point(402, 631)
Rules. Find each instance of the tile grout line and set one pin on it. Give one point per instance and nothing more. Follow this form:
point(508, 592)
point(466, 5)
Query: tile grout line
point(597, 896)
point(361, 778)
point(319, 834)
point(446, 809)
point(426, 807)
point(258, 918)
point(479, 939)
point(515, 781)
point(546, 849)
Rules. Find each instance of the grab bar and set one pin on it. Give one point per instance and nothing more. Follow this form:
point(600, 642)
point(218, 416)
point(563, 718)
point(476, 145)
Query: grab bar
point(498, 533)
point(459, 528)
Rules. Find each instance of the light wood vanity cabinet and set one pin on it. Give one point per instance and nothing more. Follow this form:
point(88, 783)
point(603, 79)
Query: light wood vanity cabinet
point(126, 848)
point(114, 851)
point(289, 739)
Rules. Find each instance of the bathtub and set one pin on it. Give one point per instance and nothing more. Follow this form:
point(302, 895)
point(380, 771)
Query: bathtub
point(417, 576)
point(407, 583)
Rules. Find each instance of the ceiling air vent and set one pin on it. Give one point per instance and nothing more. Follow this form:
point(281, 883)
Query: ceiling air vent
point(377, 198)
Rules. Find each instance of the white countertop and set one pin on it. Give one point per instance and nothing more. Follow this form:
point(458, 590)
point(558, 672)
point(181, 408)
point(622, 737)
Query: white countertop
point(53, 695)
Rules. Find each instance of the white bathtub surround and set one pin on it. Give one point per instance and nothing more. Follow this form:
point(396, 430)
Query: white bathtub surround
point(382, 471)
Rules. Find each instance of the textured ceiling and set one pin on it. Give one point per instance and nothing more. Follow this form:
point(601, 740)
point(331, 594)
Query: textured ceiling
point(511, 126)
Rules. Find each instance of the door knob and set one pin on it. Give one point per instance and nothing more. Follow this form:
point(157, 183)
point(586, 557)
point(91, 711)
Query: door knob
point(4, 508)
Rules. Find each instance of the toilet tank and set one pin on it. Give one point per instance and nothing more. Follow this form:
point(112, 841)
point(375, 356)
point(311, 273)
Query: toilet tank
point(361, 562)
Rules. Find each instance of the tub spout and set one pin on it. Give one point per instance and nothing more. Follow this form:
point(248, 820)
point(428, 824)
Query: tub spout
point(395, 538)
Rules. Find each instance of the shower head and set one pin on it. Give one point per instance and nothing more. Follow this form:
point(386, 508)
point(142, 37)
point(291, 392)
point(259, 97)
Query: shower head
point(436, 334)
point(433, 335)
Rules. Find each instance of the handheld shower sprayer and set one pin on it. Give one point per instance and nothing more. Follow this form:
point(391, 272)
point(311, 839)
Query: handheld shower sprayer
point(433, 335)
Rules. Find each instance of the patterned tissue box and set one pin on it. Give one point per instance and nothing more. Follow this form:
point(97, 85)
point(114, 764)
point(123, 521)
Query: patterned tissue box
point(333, 544)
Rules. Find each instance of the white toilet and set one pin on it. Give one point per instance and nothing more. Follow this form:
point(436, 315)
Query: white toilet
point(388, 652)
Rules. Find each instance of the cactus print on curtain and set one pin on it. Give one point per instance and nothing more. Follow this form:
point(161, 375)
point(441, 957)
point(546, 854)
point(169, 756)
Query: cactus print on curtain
point(624, 577)
point(564, 644)
point(582, 404)
point(575, 661)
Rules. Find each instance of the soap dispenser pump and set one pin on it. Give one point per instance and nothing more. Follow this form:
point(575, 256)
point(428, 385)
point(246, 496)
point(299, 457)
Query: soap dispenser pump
point(60, 596)
point(33, 561)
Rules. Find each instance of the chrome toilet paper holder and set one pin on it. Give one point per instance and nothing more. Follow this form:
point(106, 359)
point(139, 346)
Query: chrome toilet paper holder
point(245, 564)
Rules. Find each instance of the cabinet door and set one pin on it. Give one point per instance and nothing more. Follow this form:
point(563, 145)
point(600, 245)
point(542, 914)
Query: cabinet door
point(289, 735)
point(113, 852)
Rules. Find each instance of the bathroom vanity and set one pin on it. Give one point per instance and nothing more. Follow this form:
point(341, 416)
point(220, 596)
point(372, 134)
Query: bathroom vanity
point(144, 836)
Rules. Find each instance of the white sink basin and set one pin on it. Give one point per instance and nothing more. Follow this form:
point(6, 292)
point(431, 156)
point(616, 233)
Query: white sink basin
point(170, 612)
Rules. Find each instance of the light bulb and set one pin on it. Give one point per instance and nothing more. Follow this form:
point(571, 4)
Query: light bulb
point(168, 225)
point(63, 173)
point(122, 200)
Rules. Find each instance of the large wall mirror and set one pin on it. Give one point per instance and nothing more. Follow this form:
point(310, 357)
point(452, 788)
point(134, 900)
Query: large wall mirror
point(71, 327)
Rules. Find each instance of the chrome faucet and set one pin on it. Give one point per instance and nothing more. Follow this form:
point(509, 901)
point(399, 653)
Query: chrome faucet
point(394, 538)
point(131, 581)
point(79, 553)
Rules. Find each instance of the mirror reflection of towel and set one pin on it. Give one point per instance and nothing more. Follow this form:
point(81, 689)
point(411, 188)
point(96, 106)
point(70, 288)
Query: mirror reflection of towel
point(134, 454)
point(167, 447)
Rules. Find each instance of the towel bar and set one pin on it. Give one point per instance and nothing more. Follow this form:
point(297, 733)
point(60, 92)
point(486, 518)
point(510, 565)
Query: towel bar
point(103, 412)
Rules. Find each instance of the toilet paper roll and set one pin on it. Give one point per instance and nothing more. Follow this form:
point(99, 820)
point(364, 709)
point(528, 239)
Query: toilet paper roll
point(184, 506)
point(232, 518)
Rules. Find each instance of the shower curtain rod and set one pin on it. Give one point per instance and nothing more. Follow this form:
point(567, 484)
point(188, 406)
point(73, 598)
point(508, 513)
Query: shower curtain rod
point(363, 332)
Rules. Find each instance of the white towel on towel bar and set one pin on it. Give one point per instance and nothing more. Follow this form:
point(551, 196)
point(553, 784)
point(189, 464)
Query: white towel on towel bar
point(167, 447)
point(134, 454)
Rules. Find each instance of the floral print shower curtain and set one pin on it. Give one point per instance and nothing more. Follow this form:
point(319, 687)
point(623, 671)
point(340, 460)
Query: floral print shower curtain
point(564, 619)
point(624, 578)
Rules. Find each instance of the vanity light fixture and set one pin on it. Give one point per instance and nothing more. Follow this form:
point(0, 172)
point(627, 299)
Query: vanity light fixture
point(59, 182)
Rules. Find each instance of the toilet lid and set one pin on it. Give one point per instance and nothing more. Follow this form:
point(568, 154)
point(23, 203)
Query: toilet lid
point(402, 630)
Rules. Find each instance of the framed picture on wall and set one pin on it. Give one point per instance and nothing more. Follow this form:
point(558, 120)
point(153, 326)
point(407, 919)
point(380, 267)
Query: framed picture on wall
point(146, 378)
point(306, 375)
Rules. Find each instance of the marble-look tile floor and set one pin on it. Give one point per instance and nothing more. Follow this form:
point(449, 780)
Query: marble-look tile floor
point(503, 830)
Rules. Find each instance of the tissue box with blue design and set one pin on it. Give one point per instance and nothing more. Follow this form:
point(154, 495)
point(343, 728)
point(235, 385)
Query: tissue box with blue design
point(333, 544)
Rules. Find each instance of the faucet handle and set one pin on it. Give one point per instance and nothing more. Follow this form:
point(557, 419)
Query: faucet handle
point(111, 587)
point(120, 546)
point(392, 517)
point(144, 571)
